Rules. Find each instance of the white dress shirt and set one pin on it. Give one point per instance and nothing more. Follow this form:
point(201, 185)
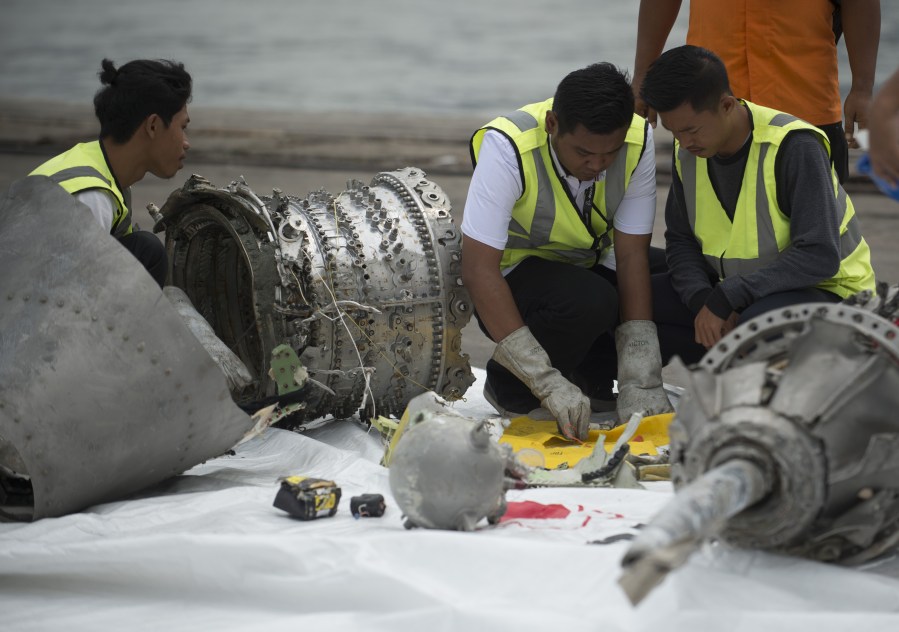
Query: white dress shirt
point(496, 186)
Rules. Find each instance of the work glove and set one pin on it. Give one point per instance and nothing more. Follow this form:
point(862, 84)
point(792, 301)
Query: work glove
point(639, 370)
point(528, 361)
point(235, 371)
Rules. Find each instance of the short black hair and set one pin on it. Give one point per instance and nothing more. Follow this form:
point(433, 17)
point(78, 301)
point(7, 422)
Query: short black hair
point(599, 97)
point(686, 74)
point(135, 91)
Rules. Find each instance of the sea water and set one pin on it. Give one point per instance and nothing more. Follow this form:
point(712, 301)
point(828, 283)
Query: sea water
point(415, 56)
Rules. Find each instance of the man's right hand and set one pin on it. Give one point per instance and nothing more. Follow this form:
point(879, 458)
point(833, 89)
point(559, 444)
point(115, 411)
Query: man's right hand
point(570, 408)
point(654, 21)
point(710, 328)
point(528, 361)
point(640, 106)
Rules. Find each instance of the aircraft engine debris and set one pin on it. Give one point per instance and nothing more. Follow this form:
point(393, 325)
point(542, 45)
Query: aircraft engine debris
point(364, 286)
point(235, 372)
point(446, 472)
point(787, 439)
point(104, 390)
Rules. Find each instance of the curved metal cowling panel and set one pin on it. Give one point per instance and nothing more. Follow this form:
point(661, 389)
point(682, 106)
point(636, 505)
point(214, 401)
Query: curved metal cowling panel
point(365, 287)
point(103, 389)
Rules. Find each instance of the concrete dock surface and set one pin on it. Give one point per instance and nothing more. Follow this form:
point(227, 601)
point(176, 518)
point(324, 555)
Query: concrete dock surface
point(299, 152)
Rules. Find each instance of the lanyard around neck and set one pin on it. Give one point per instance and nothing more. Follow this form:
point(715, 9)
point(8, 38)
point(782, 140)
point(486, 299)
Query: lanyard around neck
point(587, 207)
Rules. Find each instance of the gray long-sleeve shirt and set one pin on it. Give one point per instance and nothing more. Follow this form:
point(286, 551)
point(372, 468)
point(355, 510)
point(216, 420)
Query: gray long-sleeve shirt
point(804, 194)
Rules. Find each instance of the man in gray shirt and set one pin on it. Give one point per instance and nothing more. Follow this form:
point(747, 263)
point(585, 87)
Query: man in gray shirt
point(756, 219)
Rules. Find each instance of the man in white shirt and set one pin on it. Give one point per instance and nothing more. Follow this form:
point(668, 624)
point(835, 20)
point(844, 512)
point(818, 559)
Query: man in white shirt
point(555, 185)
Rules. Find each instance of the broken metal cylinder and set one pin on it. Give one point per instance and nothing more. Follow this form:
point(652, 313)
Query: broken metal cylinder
point(446, 471)
point(364, 286)
point(804, 400)
point(103, 389)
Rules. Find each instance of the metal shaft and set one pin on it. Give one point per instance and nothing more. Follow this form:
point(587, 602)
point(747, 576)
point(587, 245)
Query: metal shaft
point(701, 509)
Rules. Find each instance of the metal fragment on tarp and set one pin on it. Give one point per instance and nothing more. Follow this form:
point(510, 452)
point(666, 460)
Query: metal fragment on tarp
point(787, 439)
point(446, 471)
point(103, 389)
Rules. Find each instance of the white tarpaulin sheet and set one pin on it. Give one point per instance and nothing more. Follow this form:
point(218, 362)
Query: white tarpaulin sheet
point(208, 551)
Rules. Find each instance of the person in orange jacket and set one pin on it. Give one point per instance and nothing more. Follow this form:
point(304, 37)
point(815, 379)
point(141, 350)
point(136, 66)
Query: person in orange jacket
point(782, 55)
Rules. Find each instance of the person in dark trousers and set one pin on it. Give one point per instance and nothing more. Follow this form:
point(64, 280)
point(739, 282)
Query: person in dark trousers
point(556, 231)
point(142, 110)
point(755, 218)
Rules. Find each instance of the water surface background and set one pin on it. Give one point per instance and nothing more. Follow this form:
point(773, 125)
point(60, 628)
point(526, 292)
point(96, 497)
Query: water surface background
point(407, 56)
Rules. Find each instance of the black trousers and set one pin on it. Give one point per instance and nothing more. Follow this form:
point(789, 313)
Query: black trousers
point(675, 322)
point(572, 312)
point(146, 248)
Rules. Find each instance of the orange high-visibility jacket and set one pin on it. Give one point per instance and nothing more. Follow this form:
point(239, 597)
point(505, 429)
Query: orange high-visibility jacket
point(778, 53)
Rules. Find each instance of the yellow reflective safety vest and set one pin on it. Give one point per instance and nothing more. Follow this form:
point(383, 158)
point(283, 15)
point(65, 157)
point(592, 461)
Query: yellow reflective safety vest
point(545, 221)
point(84, 167)
point(760, 231)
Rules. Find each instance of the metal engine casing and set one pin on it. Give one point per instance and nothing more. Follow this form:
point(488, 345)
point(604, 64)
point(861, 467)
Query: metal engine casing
point(365, 285)
point(447, 472)
point(808, 394)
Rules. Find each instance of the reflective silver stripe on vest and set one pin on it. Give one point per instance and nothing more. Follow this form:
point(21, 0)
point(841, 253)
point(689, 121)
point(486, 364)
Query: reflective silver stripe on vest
point(544, 217)
point(730, 267)
point(77, 172)
point(688, 181)
point(849, 241)
point(515, 227)
point(120, 228)
point(615, 177)
point(545, 211)
point(578, 255)
point(766, 238)
point(782, 119)
point(764, 225)
point(852, 238)
point(519, 243)
point(519, 240)
point(522, 120)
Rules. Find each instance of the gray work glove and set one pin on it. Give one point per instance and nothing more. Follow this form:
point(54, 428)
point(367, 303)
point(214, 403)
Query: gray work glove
point(528, 361)
point(639, 370)
point(236, 373)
